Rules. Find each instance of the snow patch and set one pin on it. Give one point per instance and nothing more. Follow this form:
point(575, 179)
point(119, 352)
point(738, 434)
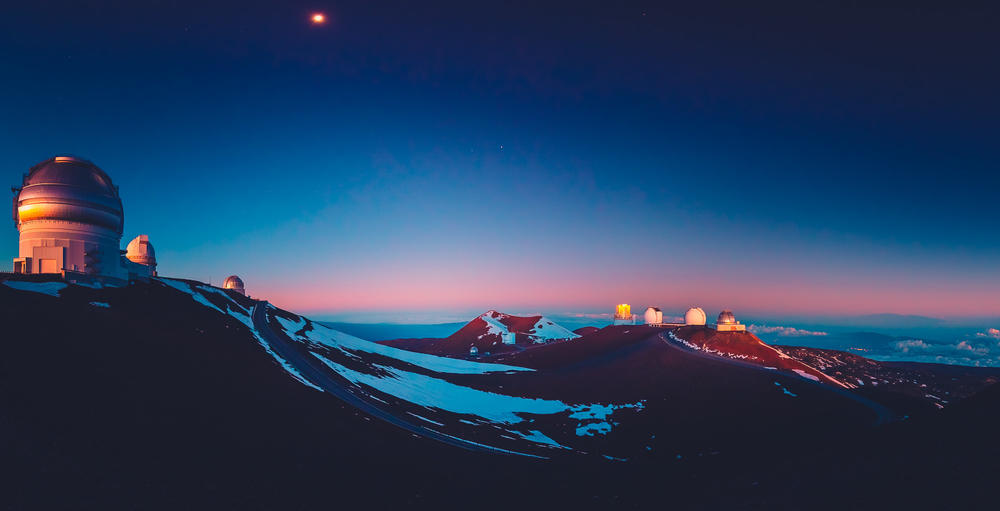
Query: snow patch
point(184, 287)
point(806, 375)
point(335, 339)
point(433, 393)
point(540, 438)
point(45, 288)
point(425, 419)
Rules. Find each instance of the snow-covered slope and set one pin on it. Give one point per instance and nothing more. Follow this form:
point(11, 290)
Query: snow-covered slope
point(537, 329)
point(426, 388)
point(423, 389)
point(491, 332)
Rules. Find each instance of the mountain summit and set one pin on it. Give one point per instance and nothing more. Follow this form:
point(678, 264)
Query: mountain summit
point(491, 332)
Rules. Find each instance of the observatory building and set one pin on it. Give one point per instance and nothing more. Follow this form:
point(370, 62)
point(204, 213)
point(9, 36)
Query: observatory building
point(623, 315)
point(727, 322)
point(70, 220)
point(140, 252)
point(235, 283)
point(695, 316)
point(508, 337)
point(653, 316)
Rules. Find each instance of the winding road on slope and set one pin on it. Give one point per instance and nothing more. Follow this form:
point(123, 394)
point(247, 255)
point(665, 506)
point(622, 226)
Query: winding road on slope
point(882, 414)
point(318, 376)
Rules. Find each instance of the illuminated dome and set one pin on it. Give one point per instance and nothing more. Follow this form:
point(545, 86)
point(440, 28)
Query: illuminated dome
point(653, 316)
point(726, 317)
point(69, 218)
point(235, 283)
point(140, 250)
point(70, 189)
point(695, 316)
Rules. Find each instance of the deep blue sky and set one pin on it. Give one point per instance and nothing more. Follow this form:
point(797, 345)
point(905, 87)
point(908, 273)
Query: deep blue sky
point(779, 158)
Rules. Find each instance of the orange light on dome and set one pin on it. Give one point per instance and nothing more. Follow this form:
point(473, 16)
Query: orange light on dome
point(318, 18)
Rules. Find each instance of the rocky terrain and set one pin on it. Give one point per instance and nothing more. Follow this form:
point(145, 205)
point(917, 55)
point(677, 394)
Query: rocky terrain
point(910, 386)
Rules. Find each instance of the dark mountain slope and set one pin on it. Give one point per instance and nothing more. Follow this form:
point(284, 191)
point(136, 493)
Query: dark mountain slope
point(142, 397)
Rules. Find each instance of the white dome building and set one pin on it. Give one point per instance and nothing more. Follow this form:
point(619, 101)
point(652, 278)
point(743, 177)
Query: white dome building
point(653, 316)
point(70, 220)
point(235, 283)
point(695, 316)
point(140, 253)
point(727, 322)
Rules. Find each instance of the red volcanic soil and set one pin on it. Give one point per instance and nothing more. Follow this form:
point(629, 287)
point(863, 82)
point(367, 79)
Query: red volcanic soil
point(699, 399)
point(587, 347)
point(483, 334)
point(749, 348)
point(586, 330)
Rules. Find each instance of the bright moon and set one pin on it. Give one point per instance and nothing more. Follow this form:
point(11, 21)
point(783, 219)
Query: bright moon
point(318, 18)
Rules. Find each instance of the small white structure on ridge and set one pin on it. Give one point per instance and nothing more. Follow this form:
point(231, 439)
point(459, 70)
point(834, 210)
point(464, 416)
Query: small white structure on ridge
point(140, 254)
point(508, 337)
point(473, 351)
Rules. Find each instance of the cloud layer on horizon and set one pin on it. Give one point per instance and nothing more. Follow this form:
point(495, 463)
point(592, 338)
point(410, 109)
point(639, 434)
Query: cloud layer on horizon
point(981, 349)
point(784, 331)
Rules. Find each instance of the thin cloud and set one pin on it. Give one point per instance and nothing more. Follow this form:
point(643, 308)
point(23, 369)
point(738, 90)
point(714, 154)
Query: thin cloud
point(992, 332)
point(784, 331)
point(979, 350)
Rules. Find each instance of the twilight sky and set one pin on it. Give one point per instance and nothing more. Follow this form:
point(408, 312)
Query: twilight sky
point(786, 159)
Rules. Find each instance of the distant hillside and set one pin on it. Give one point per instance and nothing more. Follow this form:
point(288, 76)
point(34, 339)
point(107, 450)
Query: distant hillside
point(487, 334)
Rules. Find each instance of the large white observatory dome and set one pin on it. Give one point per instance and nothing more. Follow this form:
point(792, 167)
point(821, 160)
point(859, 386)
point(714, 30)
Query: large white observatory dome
point(695, 316)
point(70, 219)
point(235, 283)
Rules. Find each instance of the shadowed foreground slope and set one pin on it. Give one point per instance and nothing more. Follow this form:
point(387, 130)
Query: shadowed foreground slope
point(142, 397)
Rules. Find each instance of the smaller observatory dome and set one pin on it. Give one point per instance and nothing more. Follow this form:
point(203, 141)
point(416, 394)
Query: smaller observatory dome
point(726, 317)
point(235, 283)
point(695, 316)
point(653, 316)
point(140, 250)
